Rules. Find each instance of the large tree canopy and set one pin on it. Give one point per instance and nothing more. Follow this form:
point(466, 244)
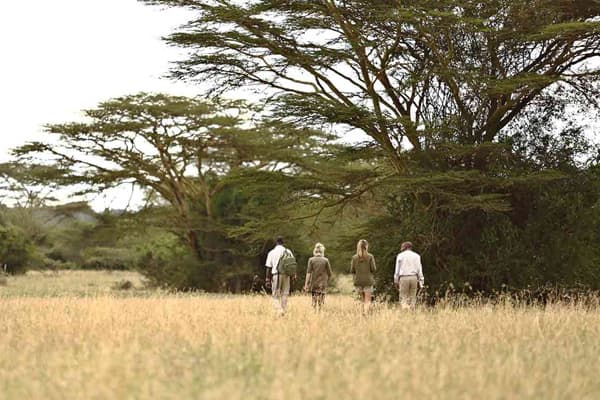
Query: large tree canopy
point(407, 73)
point(178, 148)
point(215, 176)
point(469, 106)
point(467, 100)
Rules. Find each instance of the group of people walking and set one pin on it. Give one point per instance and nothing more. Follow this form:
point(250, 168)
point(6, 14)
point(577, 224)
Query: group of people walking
point(408, 275)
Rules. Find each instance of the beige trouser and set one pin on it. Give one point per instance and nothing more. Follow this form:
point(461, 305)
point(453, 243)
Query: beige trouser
point(408, 291)
point(281, 291)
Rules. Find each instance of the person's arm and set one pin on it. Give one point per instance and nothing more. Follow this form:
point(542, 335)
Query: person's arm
point(308, 275)
point(295, 276)
point(397, 270)
point(372, 266)
point(268, 278)
point(352, 266)
point(329, 273)
point(420, 276)
point(269, 270)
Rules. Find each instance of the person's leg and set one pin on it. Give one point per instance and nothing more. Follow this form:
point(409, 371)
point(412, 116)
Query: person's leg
point(404, 289)
point(318, 300)
point(314, 299)
point(361, 295)
point(367, 304)
point(276, 286)
point(412, 291)
point(285, 291)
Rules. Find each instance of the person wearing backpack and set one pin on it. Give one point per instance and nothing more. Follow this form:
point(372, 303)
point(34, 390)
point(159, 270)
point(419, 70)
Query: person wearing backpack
point(363, 267)
point(318, 273)
point(281, 269)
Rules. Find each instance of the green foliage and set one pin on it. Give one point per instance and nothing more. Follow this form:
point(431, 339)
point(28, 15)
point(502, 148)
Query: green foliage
point(404, 73)
point(471, 144)
point(166, 262)
point(548, 235)
point(193, 158)
point(16, 252)
point(28, 185)
point(469, 108)
point(71, 236)
point(109, 258)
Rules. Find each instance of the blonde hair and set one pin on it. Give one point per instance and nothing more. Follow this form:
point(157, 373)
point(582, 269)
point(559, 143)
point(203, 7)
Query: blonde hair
point(361, 248)
point(319, 250)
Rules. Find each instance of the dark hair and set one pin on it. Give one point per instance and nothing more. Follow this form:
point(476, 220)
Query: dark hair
point(279, 240)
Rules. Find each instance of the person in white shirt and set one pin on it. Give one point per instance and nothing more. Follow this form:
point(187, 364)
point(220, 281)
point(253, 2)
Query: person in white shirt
point(280, 284)
point(408, 276)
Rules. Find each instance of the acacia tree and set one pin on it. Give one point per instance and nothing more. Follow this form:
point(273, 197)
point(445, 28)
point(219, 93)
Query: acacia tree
point(27, 192)
point(446, 89)
point(193, 158)
point(407, 73)
point(26, 186)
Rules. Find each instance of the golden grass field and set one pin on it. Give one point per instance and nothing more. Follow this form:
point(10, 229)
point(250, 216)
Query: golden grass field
point(70, 336)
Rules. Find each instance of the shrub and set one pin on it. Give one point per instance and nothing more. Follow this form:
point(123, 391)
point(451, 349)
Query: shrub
point(16, 252)
point(110, 258)
point(123, 285)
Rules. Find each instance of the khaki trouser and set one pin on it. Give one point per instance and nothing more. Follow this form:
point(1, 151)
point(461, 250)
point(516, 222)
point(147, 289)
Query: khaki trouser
point(408, 291)
point(281, 291)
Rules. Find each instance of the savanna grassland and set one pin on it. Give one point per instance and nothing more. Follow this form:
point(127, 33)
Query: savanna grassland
point(73, 335)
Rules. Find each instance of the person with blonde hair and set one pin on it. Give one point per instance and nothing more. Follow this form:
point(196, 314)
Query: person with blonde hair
point(408, 275)
point(363, 267)
point(318, 273)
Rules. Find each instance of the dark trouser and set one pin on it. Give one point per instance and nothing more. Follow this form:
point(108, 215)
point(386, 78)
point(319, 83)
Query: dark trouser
point(318, 299)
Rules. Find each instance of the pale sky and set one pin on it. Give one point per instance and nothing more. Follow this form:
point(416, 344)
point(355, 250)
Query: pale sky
point(58, 57)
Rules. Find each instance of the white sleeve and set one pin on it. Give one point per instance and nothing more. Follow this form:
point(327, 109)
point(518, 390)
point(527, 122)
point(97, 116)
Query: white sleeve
point(397, 270)
point(269, 262)
point(420, 273)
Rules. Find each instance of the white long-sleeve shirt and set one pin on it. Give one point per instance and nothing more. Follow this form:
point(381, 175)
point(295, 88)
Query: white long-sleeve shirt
point(409, 263)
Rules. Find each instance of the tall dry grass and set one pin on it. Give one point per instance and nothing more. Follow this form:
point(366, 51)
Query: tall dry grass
point(69, 283)
point(233, 347)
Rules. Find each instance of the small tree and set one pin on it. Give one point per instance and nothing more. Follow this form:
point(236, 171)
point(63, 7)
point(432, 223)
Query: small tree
point(16, 252)
point(27, 186)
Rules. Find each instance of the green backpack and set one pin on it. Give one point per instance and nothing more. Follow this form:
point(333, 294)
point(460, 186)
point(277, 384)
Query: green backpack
point(287, 264)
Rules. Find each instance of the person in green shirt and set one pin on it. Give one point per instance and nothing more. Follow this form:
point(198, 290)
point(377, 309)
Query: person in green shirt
point(363, 267)
point(318, 273)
